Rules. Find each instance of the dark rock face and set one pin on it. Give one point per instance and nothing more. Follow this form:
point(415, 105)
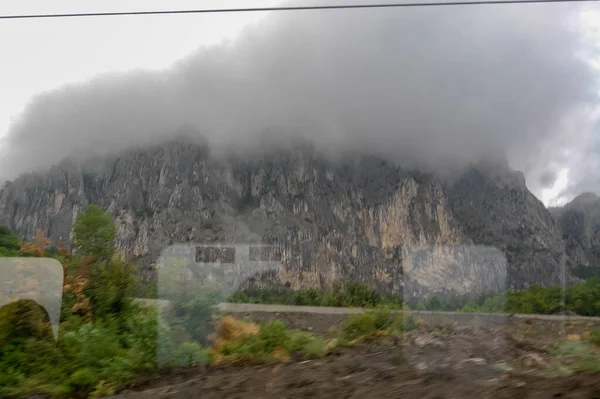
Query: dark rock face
point(579, 221)
point(496, 209)
point(356, 217)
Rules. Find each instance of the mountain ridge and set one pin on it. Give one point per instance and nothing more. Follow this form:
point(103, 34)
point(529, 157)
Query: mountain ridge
point(356, 217)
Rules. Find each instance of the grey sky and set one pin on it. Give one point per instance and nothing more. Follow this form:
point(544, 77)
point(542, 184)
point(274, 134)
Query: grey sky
point(425, 87)
point(39, 55)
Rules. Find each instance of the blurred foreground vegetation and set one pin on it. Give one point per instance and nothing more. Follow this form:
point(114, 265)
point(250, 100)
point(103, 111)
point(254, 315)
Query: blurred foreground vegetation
point(107, 340)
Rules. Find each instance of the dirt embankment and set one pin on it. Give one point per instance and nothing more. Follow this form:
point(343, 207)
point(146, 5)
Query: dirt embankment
point(322, 319)
point(362, 373)
point(440, 359)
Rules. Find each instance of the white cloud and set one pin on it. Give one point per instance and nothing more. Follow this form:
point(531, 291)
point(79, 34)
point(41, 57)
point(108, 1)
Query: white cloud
point(425, 87)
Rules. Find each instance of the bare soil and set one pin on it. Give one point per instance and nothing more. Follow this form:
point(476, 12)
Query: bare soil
point(443, 361)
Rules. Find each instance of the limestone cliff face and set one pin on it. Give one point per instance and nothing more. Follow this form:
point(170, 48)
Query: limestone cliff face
point(496, 209)
point(579, 221)
point(355, 218)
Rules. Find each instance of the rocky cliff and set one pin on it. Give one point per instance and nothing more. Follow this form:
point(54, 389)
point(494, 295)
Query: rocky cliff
point(355, 217)
point(496, 209)
point(579, 221)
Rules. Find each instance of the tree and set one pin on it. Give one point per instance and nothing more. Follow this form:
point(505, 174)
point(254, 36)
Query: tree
point(37, 247)
point(94, 233)
point(433, 303)
point(113, 287)
point(62, 249)
point(23, 319)
point(9, 243)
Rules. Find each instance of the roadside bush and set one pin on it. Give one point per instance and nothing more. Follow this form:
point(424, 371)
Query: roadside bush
point(584, 299)
point(112, 289)
point(358, 326)
point(9, 243)
point(583, 356)
point(23, 319)
point(191, 353)
point(595, 336)
point(238, 341)
point(433, 303)
point(369, 325)
point(352, 294)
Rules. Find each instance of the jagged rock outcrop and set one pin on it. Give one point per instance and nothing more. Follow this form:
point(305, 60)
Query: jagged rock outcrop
point(579, 221)
point(496, 209)
point(356, 217)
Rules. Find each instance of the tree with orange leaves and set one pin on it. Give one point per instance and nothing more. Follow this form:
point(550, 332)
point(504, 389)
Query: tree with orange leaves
point(37, 247)
point(62, 249)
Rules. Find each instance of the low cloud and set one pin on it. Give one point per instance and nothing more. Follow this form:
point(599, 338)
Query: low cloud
point(424, 87)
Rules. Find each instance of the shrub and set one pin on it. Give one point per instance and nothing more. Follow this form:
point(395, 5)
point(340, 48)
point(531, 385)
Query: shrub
point(83, 381)
point(9, 243)
point(23, 319)
point(195, 316)
point(353, 294)
point(433, 303)
point(595, 336)
point(238, 341)
point(357, 326)
point(584, 299)
point(368, 325)
point(112, 290)
point(94, 233)
point(314, 348)
point(583, 356)
point(103, 389)
point(190, 353)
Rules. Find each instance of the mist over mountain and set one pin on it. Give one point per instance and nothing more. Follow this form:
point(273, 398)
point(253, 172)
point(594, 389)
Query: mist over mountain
point(428, 89)
point(401, 148)
point(355, 217)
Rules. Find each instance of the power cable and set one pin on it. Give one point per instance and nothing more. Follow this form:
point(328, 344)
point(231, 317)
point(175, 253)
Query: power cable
point(290, 8)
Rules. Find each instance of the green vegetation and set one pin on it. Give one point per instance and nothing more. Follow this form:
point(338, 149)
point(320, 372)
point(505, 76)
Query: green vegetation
point(238, 341)
point(9, 243)
point(352, 294)
point(583, 356)
point(583, 299)
point(585, 272)
point(373, 324)
point(105, 339)
point(595, 336)
point(94, 233)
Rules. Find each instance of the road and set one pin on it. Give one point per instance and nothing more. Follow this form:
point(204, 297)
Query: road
point(253, 308)
point(324, 310)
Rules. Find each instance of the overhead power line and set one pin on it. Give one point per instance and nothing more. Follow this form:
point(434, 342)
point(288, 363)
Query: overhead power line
point(288, 8)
